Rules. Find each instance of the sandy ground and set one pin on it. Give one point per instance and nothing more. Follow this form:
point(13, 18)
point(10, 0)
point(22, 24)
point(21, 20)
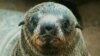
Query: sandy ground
point(91, 18)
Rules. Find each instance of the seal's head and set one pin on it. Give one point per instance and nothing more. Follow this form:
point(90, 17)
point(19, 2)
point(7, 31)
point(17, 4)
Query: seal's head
point(50, 28)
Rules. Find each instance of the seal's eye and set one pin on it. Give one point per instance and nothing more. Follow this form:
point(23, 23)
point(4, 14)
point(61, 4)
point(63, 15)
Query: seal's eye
point(66, 24)
point(66, 27)
point(32, 24)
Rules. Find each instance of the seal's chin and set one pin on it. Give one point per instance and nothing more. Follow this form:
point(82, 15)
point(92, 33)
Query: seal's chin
point(52, 44)
point(47, 43)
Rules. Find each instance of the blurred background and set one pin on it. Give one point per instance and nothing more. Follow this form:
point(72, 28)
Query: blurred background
point(88, 9)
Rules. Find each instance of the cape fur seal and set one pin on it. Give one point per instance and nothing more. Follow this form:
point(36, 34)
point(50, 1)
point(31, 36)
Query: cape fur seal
point(50, 29)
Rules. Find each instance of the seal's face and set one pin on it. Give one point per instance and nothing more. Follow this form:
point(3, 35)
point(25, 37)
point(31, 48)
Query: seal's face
point(50, 29)
point(47, 33)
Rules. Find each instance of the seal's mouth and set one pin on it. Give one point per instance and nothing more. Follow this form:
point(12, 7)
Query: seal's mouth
point(47, 42)
point(51, 42)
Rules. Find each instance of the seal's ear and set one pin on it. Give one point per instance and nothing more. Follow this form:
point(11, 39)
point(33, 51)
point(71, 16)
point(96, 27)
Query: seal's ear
point(21, 23)
point(79, 26)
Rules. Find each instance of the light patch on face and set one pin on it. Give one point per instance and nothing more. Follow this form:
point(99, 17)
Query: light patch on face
point(49, 19)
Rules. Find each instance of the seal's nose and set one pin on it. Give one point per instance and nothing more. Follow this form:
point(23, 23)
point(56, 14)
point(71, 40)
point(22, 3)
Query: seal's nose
point(47, 28)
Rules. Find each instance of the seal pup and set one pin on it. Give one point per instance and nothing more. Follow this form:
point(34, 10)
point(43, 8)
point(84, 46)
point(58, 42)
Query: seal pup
point(50, 29)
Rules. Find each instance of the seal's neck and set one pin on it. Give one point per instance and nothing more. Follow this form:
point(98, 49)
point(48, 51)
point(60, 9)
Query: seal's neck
point(27, 49)
point(77, 49)
point(24, 49)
